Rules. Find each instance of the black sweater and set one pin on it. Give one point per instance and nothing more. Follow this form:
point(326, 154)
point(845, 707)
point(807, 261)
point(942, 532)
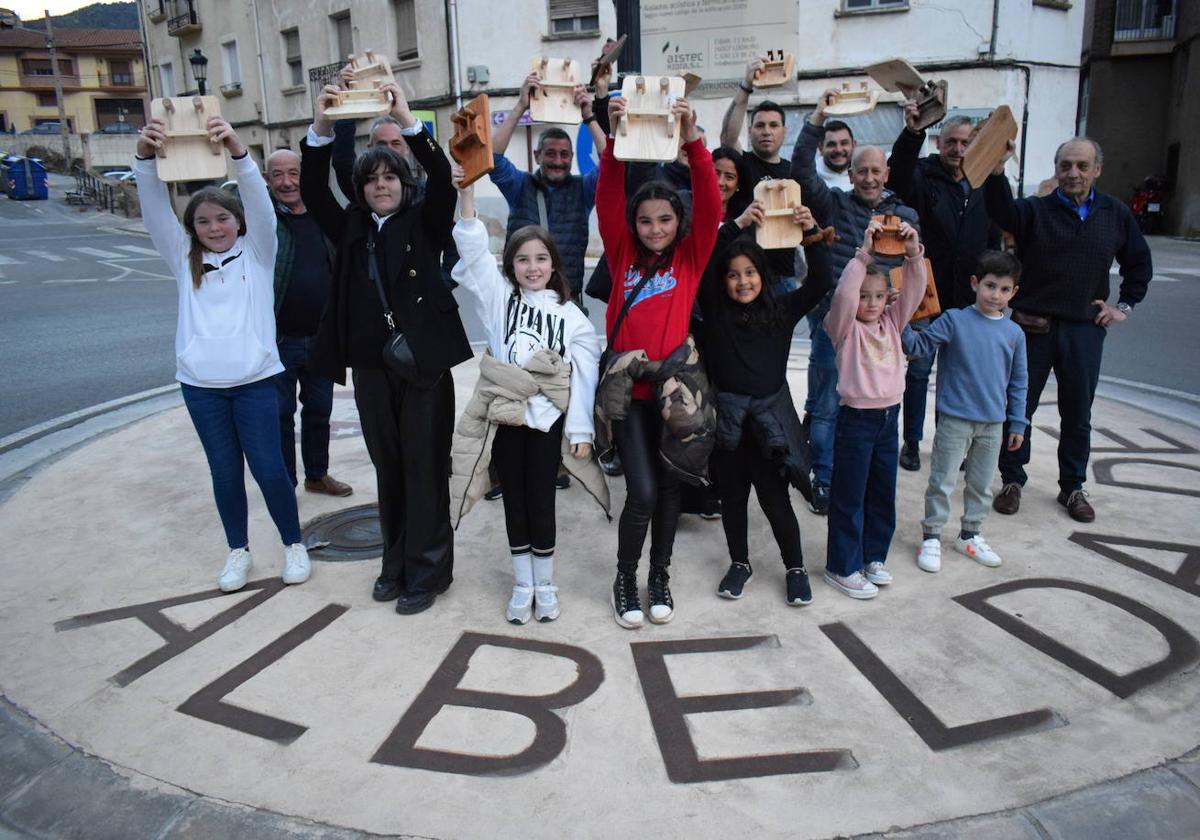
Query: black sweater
point(1065, 259)
point(744, 355)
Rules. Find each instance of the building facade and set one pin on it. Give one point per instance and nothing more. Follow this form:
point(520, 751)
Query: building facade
point(102, 71)
point(1137, 61)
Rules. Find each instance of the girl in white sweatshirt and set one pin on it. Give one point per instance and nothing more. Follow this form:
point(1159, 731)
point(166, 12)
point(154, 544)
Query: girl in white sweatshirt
point(524, 309)
point(223, 260)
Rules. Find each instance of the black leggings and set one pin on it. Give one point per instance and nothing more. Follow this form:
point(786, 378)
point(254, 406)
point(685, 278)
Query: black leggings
point(736, 471)
point(652, 491)
point(526, 461)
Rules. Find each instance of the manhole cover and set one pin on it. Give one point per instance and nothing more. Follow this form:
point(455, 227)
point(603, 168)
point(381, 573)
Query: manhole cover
point(350, 534)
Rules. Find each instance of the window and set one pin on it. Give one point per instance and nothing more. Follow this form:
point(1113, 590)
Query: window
point(871, 5)
point(43, 67)
point(406, 29)
point(343, 35)
point(166, 74)
point(1144, 20)
point(574, 17)
point(230, 63)
point(291, 53)
point(47, 100)
point(120, 72)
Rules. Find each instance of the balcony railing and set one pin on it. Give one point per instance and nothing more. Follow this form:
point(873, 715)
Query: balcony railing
point(46, 80)
point(1144, 20)
point(185, 23)
point(155, 11)
point(120, 80)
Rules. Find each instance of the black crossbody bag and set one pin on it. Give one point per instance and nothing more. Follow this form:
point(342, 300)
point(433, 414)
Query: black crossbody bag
point(647, 273)
point(397, 353)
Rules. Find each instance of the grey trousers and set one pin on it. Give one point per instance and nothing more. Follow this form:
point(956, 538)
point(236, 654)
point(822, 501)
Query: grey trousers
point(980, 443)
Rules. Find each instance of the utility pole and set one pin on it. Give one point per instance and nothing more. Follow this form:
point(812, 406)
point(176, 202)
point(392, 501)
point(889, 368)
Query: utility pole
point(58, 93)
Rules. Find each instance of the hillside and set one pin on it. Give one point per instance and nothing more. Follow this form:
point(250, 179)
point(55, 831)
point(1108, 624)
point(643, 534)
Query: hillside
point(97, 16)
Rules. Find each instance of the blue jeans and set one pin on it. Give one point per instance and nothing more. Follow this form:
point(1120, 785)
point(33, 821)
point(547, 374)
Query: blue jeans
point(821, 404)
point(316, 399)
point(784, 286)
point(237, 426)
point(862, 500)
point(916, 392)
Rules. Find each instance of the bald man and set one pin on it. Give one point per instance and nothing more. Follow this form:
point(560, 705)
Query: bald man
point(303, 270)
point(849, 212)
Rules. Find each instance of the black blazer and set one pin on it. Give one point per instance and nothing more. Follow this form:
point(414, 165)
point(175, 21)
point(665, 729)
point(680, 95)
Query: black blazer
point(425, 309)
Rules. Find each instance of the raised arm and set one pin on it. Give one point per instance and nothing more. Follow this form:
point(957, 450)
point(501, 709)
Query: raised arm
point(476, 269)
point(915, 279)
point(343, 157)
point(819, 279)
point(902, 165)
point(706, 197)
point(167, 234)
point(315, 151)
point(610, 194)
point(735, 114)
point(817, 196)
point(1003, 209)
point(504, 132)
point(844, 307)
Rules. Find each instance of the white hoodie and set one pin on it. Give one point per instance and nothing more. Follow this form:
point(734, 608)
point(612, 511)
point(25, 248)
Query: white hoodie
point(225, 333)
point(520, 324)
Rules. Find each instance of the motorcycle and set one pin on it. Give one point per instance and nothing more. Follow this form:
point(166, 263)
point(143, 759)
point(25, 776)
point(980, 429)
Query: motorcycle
point(1148, 205)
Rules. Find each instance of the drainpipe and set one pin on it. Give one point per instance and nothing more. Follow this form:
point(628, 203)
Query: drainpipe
point(268, 146)
point(455, 75)
point(1027, 70)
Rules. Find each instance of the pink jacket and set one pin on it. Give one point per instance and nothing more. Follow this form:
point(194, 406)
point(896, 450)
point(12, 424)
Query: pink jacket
point(870, 361)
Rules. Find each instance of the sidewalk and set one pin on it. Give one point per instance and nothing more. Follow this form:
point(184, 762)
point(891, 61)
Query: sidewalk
point(1056, 696)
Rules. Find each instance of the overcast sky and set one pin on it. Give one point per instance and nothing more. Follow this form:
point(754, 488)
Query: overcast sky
point(32, 9)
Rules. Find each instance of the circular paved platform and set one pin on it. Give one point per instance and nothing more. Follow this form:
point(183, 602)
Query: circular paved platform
point(289, 711)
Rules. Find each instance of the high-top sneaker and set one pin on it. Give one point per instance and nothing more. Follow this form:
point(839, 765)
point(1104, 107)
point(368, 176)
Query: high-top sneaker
point(662, 608)
point(627, 606)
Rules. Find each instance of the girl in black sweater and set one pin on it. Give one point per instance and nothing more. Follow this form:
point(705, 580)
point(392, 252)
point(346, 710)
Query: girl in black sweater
point(760, 441)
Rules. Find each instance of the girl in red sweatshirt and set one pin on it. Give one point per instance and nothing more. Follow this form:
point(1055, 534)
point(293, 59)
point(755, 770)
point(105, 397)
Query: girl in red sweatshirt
point(657, 255)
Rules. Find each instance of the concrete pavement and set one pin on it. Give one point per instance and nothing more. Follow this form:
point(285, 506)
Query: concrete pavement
point(1056, 696)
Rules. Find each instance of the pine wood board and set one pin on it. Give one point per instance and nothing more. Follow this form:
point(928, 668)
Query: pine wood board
point(187, 154)
point(649, 131)
point(887, 241)
point(363, 100)
point(852, 102)
point(554, 100)
point(989, 146)
point(930, 305)
point(608, 56)
point(471, 144)
point(778, 67)
point(779, 197)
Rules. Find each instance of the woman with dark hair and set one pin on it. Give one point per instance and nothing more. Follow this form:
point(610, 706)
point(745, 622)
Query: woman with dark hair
point(760, 442)
point(387, 278)
point(223, 259)
point(732, 181)
point(657, 253)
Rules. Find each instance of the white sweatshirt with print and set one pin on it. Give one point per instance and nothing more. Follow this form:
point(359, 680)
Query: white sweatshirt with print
point(225, 332)
point(521, 323)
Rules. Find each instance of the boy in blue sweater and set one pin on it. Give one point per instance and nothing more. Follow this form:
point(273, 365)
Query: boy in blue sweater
point(982, 381)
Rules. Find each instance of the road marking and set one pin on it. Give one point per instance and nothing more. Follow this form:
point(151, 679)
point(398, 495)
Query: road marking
point(45, 255)
point(138, 249)
point(7, 282)
point(74, 280)
point(1191, 272)
point(8, 260)
point(96, 252)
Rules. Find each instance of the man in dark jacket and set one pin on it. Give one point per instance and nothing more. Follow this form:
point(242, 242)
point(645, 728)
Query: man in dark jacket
point(550, 196)
point(955, 229)
point(849, 213)
point(1067, 241)
point(303, 270)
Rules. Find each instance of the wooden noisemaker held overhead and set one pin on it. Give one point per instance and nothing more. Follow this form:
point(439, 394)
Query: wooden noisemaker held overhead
point(896, 74)
point(989, 145)
point(850, 102)
point(187, 153)
point(364, 99)
point(471, 144)
point(930, 303)
point(887, 241)
point(554, 100)
point(779, 198)
point(648, 131)
point(776, 70)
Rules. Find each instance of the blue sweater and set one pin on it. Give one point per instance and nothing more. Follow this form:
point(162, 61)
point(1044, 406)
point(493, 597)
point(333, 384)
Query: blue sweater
point(982, 371)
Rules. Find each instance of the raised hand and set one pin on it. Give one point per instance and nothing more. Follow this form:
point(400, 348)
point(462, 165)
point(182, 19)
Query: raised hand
point(912, 242)
point(687, 119)
point(616, 111)
point(803, 217)
point(151, 137)
point(584, 100)
point(329, 97)
point(754, 214)
point(829, 97)
point(752, 70)
point(400, 108)
point(868, 243)
point(220, 131)
point(532, 82)
point(911, 115)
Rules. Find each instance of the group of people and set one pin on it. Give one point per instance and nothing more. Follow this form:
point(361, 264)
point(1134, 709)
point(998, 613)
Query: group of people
point(688, 385)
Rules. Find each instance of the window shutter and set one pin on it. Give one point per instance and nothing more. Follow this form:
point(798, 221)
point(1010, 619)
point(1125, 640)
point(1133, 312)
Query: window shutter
point(572, 8)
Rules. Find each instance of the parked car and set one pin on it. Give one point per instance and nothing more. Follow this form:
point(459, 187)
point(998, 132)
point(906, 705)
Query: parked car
point(119, 128)
point(45, 128)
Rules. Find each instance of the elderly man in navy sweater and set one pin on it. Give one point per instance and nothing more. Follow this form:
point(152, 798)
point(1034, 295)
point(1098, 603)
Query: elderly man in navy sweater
point(1067, 241)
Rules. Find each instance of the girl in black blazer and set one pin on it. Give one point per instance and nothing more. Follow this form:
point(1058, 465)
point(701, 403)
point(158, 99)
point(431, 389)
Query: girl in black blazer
point(406, 422)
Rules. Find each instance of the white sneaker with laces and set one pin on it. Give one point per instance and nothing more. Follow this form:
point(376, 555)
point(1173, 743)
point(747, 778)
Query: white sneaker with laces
point(520, 605)
point(978, 550)
point(877, 574)
point(545, 602)
point(296, 565)
point(855, 585)
point(929, 556)
point(237, 567)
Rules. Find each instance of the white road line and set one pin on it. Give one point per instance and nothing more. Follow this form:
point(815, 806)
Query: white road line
point(74, 280)
point(8, 260)
point(7, 282)
point(45, 255)
point(96, 252)
point(1191, 272)
point(138, 249)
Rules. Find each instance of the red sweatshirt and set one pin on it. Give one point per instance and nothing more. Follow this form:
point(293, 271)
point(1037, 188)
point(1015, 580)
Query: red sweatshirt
point(658, 320)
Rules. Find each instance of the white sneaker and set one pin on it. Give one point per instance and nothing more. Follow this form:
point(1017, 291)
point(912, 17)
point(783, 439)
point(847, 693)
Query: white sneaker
point(545, 602)
point(929, 556)
point(296, 565)
point(877, 574)
point(854, 585)
point(520, 605)
point(977, 550)
point(237, 567)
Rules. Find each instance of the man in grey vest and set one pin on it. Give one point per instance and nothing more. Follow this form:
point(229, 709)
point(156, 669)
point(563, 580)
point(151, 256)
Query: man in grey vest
point(550, 196)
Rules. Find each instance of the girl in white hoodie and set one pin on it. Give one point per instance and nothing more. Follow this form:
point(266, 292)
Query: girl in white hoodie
point(223, 260)
point(524, 309)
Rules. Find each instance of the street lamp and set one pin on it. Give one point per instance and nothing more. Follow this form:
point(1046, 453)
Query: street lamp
point(199, 69)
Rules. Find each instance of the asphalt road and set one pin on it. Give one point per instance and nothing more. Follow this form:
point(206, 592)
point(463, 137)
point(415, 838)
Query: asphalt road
point(87, 315)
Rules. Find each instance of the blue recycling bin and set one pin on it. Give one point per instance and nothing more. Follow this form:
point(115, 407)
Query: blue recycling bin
point(27, 179)
point(6, 162)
